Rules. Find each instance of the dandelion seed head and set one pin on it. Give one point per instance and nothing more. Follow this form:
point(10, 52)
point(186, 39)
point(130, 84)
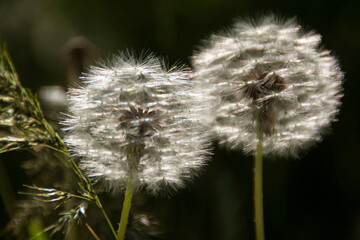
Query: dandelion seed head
point(135, 114)
point(276, 69)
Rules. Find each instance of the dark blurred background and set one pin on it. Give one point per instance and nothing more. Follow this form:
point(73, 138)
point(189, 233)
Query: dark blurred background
point(312, 198)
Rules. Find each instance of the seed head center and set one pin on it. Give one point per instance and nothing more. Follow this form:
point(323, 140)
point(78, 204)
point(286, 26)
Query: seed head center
point(138, 122)
point(260, 83)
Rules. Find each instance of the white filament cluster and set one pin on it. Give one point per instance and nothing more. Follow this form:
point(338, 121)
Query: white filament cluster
point(137, 108)
point(274, 69)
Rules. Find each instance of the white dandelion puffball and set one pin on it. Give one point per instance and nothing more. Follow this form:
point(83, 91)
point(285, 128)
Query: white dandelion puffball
point(136, 115)
point(275, 71)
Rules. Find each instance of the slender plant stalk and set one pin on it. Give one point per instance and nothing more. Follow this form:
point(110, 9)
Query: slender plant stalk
point(258, 184)
point(126, 208)
point(88, 186)
point(92, 232)
point(94, 195)
point(98, 203)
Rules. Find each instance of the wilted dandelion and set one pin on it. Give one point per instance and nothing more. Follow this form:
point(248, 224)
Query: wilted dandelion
point(134, 123)
point(277, 90)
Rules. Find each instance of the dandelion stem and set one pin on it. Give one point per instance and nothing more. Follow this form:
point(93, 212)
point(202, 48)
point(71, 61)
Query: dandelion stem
point(126, 208)
point(258, 184)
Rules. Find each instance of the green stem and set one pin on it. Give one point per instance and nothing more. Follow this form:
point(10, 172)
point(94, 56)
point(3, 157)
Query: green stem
point(92, 232)
point(126, 208)
point(106, 216)
point(258, 184)
point(92, 192)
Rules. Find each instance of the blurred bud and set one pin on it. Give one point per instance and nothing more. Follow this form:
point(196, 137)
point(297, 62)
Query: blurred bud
point(79, 53)
point(53, 100)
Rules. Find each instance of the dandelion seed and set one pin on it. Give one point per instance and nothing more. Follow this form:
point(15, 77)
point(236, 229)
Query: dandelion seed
point(137, 115)
point(272, 68)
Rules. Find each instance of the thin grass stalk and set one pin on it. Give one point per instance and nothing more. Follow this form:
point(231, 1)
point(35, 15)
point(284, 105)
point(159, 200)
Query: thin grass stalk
point(92, 232)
